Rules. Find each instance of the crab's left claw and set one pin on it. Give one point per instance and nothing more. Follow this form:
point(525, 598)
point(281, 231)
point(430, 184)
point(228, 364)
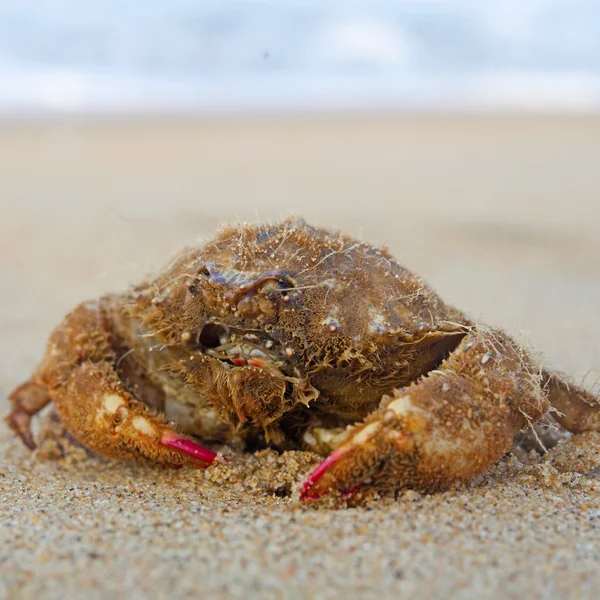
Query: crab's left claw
point(321, 479)
point(448, 427)
point(357, 459)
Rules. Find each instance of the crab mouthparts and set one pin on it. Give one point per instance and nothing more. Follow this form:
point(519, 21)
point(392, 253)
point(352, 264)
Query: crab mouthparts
point(239, 348)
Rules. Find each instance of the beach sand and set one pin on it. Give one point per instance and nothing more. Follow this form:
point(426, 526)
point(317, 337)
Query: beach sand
point(500, 214)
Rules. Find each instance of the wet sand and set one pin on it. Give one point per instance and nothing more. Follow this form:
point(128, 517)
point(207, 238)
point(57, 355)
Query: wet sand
point(501, 215)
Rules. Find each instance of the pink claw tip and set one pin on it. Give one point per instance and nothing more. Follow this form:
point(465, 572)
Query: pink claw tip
point(189, 447)
point(308, 492)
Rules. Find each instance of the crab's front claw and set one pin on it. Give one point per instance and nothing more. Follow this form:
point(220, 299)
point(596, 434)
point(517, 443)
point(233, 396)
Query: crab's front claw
point(446, 428)
point(204, 456)
point(114, 423)
point(123, 426)
point(360, 458)
point(322, 478)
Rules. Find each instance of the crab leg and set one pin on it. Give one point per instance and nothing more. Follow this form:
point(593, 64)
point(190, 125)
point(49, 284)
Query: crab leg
point(448, 427)
point(26, 401)
point(576, 409)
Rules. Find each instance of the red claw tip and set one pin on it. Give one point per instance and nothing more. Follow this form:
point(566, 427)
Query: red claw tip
point(189, 447)
point(308, 492)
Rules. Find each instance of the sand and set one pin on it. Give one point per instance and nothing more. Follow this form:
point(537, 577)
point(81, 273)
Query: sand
point(500, 214)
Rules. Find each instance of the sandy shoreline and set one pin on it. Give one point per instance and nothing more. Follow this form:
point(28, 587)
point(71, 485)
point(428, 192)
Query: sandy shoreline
point(501, 215)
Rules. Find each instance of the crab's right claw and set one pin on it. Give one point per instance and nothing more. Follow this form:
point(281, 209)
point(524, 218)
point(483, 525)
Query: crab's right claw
point(204, 456)
point(114, 423)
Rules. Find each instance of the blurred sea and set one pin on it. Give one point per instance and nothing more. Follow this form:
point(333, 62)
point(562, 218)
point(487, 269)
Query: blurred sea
point(135, 56)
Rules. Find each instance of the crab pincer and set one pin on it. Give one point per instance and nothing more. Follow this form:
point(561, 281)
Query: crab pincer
point(355, 461)
point(95, 406)
point(445, 428)
point(116, 424)
point(203, 455)
point(317, 484)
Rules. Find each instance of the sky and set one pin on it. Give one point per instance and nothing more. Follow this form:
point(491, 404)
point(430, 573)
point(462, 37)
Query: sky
point(78, 56)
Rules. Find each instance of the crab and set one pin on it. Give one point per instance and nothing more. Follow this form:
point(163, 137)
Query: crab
point(295, 337)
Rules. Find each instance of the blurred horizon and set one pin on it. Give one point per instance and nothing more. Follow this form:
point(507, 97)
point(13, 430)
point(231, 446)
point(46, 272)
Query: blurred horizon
point(69, 57)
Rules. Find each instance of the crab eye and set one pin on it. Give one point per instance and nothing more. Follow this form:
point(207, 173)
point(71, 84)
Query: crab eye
point(270, 286)
point(285, 286)
point(213, 335)
point(204, 272)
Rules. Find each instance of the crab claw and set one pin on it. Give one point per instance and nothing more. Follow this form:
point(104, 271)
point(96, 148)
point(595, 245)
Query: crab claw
point(315, 486)
point(443, 429)
point(355, 461)
point(205, 456)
